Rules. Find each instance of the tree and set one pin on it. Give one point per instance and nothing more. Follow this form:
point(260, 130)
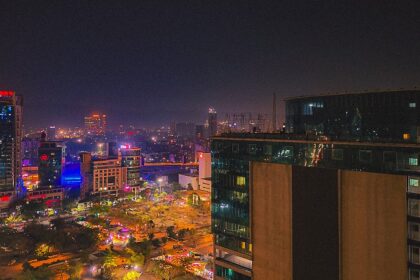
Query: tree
point(170, 231)
point(137, 259)
point(42, 273)
point(75, 270)
point(156, 242)
point(110, 260)
point(181, 233)
point(132, 275)
point(43, 250)
point(30, 209)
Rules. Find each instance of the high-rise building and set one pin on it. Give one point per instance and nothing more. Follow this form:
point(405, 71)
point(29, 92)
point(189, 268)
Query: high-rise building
point(212, 122)
point(316, 206)
point(131, 159)
point(95, 125)
point(186, 130)
point(51, 133)
point(204, 171)
point(108, 177)
point(50, 163)
point(370, 116)
point(10, 145)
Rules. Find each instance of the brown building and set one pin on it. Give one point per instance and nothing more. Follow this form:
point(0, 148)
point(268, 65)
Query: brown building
point(108, 177)
point(301, 209)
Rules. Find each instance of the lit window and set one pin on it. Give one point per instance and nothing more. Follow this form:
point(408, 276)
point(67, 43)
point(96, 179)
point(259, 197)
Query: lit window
point(412, 104)
point(250, 247)
point(240, 181)
point(406, 136)
point(413, 182)
point(243, 245)
point(414, 161)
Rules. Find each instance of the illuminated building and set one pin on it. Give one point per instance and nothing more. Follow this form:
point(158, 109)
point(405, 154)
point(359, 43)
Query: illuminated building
point(108, 177)
point(131, 159)
point(10, 145)
point(51, 133)
point(50, 154)
point(95, 124)
point(212, 122)
point(204, 171)
point(390, 116)
point(293, 206)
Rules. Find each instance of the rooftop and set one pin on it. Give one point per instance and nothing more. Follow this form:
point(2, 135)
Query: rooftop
point(301, 138)
point(401, 90)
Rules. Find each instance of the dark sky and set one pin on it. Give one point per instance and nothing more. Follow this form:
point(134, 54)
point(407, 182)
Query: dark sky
point(150, 62)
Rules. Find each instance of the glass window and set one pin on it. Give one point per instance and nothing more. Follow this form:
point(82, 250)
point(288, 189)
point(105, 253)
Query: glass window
point(414, 231)
point(268, 150)
point(240, 181)
point(235, 148)
point(414, 207)
point(412, 104)
point(365, 156)
point(252, 149)
point(413, 161)
point(414, 274)
point(337, 154)
point(413, 182)
point(414, 254)
point(406, 136)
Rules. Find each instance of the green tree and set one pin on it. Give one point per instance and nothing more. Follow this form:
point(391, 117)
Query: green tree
point(75, 270)
point(41, 273)
point(170, 231)
point(132, 275)
point(110, 260)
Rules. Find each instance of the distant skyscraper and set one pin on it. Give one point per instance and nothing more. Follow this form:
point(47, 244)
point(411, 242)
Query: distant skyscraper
point(186, 130)
point(50, 164)
point(212, 120)
point(95, 124)
point(10, 145)
point(51, 133)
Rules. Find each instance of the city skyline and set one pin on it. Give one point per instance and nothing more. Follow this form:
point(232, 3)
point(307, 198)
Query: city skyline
point(154, 63)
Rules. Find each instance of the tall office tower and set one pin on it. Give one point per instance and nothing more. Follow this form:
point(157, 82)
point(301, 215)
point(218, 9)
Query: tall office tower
point(290, 206)
point(131, 159)
point(212, 121)
point(199, 131)
point(50, 164)
point(95, 125)
point(10, 145)
point(51, 133)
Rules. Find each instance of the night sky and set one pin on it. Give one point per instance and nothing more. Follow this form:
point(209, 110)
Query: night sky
point(150, 62)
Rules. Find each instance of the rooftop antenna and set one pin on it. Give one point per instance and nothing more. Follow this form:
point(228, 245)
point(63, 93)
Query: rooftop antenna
point(274, 113)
